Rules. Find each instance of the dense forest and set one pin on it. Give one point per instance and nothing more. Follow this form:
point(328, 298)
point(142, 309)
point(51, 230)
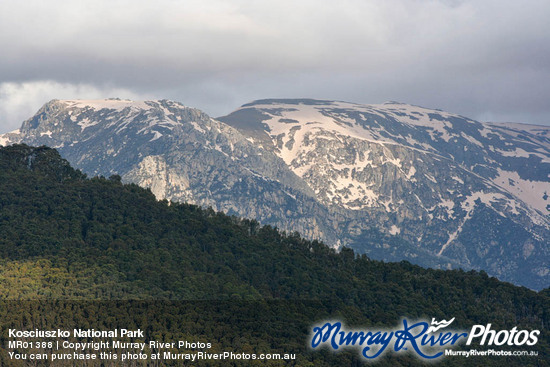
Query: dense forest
point(97, 253)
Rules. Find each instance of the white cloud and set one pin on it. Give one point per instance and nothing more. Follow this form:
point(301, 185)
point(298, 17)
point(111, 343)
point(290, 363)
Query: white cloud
point(209, 36)
point(450, 54)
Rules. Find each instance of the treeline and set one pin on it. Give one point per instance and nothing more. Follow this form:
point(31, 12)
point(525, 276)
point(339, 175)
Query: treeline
point(64, 238)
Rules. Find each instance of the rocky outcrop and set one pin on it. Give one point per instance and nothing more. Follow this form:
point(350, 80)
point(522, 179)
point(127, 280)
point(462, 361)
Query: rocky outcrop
point(395, 181)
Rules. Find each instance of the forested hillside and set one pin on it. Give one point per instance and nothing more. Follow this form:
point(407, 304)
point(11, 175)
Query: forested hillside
point(83, 246)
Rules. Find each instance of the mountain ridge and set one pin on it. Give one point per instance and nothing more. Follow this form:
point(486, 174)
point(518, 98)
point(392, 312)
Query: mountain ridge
point(95, 253)
point(394, 181)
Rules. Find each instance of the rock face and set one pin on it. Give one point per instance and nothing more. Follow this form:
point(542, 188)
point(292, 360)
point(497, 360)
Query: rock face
point(394, 181)
point(180, 153)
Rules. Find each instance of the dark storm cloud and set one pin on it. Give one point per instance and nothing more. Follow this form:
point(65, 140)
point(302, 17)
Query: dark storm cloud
point(482, 59)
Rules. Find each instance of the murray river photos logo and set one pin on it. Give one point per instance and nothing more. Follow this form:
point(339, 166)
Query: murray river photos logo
point(426, 340)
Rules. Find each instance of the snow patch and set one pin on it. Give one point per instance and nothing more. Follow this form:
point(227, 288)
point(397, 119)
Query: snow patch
point(419, 116)
point(411, 172)
point(458, 179)
point(522, 153)
point(110, 104)
point(394, 230)
point(530, 192)
point(471, 139)
point(197, 127)
point(86, 123)
point(157, 135)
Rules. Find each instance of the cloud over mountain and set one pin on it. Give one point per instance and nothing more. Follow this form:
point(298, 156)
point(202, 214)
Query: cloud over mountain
point(481, 59)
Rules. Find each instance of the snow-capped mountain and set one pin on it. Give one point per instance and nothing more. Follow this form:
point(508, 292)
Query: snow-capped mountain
point(299, 129)
point(180, 153)
point(394, 181)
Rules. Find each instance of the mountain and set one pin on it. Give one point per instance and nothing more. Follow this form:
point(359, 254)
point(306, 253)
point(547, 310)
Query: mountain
point(180, 153)
point(393, 181)
point(71, 244)
point(447, 185)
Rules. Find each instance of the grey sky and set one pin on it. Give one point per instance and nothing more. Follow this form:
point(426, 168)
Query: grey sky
point(488, 60)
